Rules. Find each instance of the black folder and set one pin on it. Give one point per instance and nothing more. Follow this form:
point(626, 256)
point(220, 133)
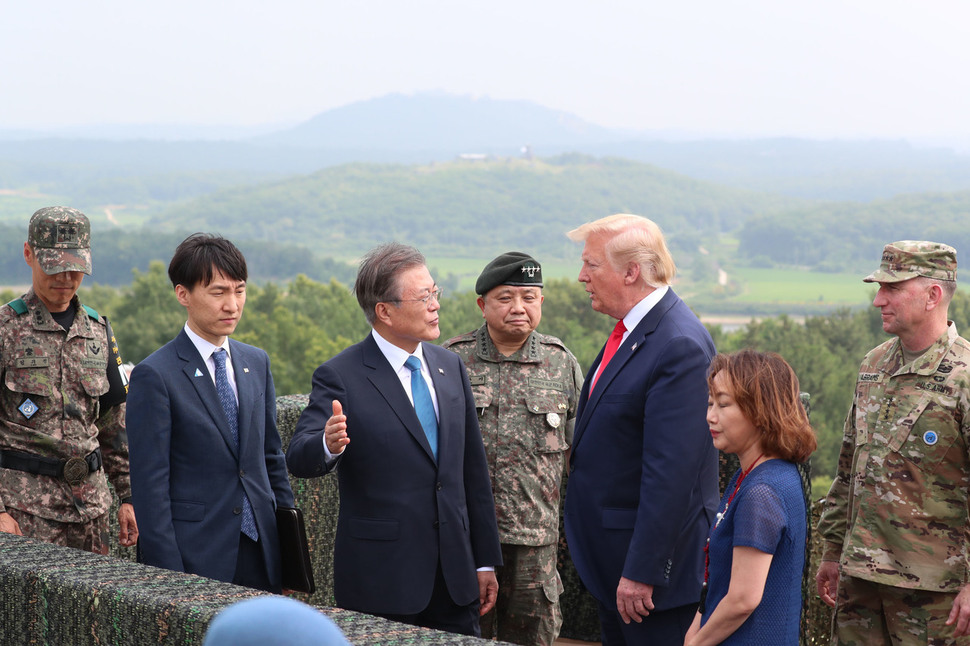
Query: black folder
point(294, 552)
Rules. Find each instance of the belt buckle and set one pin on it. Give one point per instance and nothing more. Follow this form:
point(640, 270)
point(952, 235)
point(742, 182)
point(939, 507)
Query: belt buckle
point(75, 471)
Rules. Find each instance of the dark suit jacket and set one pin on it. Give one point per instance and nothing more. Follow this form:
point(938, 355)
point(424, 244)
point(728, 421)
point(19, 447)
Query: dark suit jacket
point(642, 486)
point(187, 478)
point(400, 512)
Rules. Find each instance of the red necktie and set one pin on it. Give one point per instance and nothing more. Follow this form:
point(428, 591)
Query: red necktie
point(611, 346)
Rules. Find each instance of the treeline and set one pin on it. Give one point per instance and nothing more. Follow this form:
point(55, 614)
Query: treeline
point(842, 236)
point(303, 323)
point(117, 251)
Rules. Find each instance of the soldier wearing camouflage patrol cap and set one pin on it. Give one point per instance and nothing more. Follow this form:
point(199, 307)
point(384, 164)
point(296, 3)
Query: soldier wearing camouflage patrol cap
point(62, 411)
point(896, 559)
point(526, 388)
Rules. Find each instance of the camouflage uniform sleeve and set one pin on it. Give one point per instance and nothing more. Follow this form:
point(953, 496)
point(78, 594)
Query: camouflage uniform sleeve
point(113, 440)
point(834, 520)
point(577, 388)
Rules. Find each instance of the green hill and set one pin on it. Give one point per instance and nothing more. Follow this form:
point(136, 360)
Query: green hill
point(470, 209)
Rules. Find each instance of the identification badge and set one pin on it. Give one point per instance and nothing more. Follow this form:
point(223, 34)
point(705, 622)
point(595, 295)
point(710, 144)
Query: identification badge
point(32, 362)
point(553, 419)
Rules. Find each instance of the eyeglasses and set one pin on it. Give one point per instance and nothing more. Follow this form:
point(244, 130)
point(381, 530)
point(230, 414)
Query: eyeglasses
point(435, 293)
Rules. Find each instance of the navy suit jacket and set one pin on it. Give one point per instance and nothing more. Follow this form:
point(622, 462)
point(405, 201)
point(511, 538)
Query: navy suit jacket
point(187, 477)
point(643, 484)
point(400, 512)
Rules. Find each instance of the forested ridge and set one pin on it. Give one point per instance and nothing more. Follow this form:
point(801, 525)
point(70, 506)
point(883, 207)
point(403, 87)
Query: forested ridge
point(474, 210)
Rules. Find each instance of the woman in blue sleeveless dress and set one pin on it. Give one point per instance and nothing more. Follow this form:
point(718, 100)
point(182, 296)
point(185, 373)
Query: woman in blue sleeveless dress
point(756, 549)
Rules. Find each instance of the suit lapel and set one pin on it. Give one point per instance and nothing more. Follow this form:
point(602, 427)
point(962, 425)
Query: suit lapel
point(444, 384)
point(246, 389)
point(634, 342)
point(197, 372)
point(389, 385)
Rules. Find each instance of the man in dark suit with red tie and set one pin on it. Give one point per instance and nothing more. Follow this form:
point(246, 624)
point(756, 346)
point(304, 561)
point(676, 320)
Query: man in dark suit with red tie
point(417, 540)
point(643, 484)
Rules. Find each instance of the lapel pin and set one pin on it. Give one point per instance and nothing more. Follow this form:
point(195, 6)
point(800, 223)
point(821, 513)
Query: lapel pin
point(633, 347)
point(441, 371)
point(245, 369)
point(198, 373)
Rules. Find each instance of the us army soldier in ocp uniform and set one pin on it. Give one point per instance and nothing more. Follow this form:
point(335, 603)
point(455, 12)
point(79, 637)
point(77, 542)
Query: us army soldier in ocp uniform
point(526, 388)
point(895, 524)
point(62, 411)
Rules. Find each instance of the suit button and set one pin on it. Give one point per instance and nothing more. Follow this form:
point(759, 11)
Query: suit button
point(436, 524)
point(237, 510)
point(438, 486)
point(242, 474)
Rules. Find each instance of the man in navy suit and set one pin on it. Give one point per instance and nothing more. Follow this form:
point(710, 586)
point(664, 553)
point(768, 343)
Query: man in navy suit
point(643, 485)
point(417, 540)
point(207, 467)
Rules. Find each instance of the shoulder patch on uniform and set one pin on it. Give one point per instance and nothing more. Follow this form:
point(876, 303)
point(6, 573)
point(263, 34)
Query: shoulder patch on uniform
point(18, 305)
point(93, 313)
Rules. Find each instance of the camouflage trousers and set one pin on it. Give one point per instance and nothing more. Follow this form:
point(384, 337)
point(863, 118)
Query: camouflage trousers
point(527, 610)
point(873, 614)
point(91, 536)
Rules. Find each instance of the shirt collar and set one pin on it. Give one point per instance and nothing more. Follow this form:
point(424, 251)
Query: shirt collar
point(641, 309)
point(204, 347)
point(395, 356)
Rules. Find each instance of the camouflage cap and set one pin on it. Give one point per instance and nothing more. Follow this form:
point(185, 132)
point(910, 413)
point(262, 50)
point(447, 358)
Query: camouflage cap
point(512, 268)
point(911, 258)
point(61, 239)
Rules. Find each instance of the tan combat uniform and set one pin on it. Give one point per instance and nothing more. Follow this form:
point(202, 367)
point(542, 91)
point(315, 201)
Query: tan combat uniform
point(526, 409)
point(49, 407)
point(897, 514)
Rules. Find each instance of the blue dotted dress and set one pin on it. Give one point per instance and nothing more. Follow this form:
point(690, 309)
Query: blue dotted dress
point(768, 514)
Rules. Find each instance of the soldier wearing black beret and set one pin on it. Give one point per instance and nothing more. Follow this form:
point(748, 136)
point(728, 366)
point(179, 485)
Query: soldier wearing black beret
point(526, 388)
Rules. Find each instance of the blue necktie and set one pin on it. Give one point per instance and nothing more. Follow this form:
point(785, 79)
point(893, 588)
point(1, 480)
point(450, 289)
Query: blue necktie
point(228, 401)
point(423, 405)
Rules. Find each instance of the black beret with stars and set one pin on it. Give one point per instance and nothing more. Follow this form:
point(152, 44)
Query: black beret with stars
point(512, 268)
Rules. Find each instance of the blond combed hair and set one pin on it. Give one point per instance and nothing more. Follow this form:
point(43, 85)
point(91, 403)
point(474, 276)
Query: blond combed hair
point(635, 239)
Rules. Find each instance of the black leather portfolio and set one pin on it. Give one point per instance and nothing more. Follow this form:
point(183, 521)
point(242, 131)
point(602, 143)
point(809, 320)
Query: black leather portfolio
point(294, 552)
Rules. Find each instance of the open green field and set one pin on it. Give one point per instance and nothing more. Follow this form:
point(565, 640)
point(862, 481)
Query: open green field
point(800, 287)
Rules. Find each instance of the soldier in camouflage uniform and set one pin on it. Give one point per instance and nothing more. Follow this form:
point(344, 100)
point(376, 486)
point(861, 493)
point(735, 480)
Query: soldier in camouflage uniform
point(62, 412)
point(526, 388)
point(895, 523)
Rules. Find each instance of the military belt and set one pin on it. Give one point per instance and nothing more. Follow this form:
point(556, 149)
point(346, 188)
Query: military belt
point(72, 471)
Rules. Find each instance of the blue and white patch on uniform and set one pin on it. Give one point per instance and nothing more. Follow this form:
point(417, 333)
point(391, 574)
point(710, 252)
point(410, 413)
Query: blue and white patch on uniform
point(28, 408)
point(930, 438)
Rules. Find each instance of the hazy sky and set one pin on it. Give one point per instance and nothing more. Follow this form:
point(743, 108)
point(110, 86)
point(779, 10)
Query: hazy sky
point(846, 68)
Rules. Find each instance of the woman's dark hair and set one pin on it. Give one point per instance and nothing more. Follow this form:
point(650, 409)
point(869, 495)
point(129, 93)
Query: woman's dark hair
point(766, 390)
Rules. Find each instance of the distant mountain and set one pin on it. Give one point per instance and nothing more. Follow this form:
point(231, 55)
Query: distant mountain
point(436, 127)
point(437, 121)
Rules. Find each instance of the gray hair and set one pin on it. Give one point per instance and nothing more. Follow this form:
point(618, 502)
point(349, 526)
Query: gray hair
point(378, 276)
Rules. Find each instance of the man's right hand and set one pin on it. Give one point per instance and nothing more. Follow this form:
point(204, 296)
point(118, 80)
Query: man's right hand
point(827, 581)
point(8, 525)
point(335, 432)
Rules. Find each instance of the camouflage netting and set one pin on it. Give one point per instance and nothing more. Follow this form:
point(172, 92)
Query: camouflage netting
point(54, 595)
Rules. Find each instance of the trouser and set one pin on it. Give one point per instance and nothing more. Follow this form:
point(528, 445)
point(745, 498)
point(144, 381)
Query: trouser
point(527, 611)
point(91, 536)
point(873, 614)
point(660, 627)
point(442, 613)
